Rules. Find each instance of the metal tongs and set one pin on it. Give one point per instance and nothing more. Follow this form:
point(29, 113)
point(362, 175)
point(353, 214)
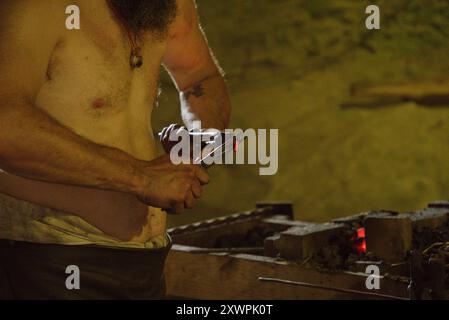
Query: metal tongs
point(228, 142)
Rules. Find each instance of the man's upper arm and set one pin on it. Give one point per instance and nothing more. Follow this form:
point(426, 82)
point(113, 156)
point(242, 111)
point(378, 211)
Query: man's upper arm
point(188, 57)
point(28, 34)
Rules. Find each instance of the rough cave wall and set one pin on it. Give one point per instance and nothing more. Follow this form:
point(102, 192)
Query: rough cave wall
point(289, 65)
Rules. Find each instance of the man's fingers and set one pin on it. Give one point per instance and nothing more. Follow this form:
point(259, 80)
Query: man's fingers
point(189, 202)
point(166, 133)
point(202, 175)
point(173, 128)
point(178, 129)
point(197, 190)
point(163, 134)
point(177, 208)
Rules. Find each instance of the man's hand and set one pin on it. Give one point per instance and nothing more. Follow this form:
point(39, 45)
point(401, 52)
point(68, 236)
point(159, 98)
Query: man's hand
point(173, 188)
point(165, 136)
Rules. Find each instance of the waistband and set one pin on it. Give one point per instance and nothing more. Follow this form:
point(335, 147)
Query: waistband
point(28, 222)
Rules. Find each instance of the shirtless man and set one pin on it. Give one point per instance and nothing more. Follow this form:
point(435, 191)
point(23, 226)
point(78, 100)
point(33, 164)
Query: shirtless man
point(80, 181)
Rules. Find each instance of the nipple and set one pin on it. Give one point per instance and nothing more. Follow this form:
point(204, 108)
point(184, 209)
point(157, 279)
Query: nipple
point(98, 103)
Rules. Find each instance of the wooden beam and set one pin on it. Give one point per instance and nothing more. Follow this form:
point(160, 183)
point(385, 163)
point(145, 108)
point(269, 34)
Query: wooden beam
point(222, 276)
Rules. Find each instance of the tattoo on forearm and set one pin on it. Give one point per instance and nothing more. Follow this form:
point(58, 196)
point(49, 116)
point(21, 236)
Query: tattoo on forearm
point(196, 91)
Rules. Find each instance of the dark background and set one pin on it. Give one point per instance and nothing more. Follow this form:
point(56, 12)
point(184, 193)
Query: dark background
point(290, 64)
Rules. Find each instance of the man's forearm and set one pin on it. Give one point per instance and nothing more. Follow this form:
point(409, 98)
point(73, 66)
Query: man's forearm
point(208, 101)
point(33, 145)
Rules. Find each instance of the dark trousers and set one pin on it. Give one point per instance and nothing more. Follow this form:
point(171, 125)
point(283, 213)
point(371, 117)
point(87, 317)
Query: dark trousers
point(38, 271)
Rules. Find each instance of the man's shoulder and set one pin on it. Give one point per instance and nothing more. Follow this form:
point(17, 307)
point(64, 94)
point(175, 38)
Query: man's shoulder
point(31, 11)
point(26, 19)
point(186, 18)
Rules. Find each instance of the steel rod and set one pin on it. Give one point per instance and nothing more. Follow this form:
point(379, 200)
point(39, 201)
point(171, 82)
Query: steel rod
point(316, 286)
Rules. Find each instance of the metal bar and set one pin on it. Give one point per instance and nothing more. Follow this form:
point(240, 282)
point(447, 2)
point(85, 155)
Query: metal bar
point(228, 250)
point(316, 286)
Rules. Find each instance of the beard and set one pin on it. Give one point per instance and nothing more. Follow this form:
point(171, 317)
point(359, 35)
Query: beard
point(153, 16)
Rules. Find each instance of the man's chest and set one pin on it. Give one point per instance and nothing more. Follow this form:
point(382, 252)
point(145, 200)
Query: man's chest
point(89, 74)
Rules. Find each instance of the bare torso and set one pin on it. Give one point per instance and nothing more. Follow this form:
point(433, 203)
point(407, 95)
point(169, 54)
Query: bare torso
point(91, 89)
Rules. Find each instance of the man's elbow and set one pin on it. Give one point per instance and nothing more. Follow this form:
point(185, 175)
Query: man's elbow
point(194, 75)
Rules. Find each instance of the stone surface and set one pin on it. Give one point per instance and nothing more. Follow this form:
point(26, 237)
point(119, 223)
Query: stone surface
point(270, 249)
point(299, 243)
point(388, 236)
point(430, 218)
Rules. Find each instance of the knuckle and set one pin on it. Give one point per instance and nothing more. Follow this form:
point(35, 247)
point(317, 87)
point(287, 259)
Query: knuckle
point(186, 185)
point(179, 197)
point(185, 169)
